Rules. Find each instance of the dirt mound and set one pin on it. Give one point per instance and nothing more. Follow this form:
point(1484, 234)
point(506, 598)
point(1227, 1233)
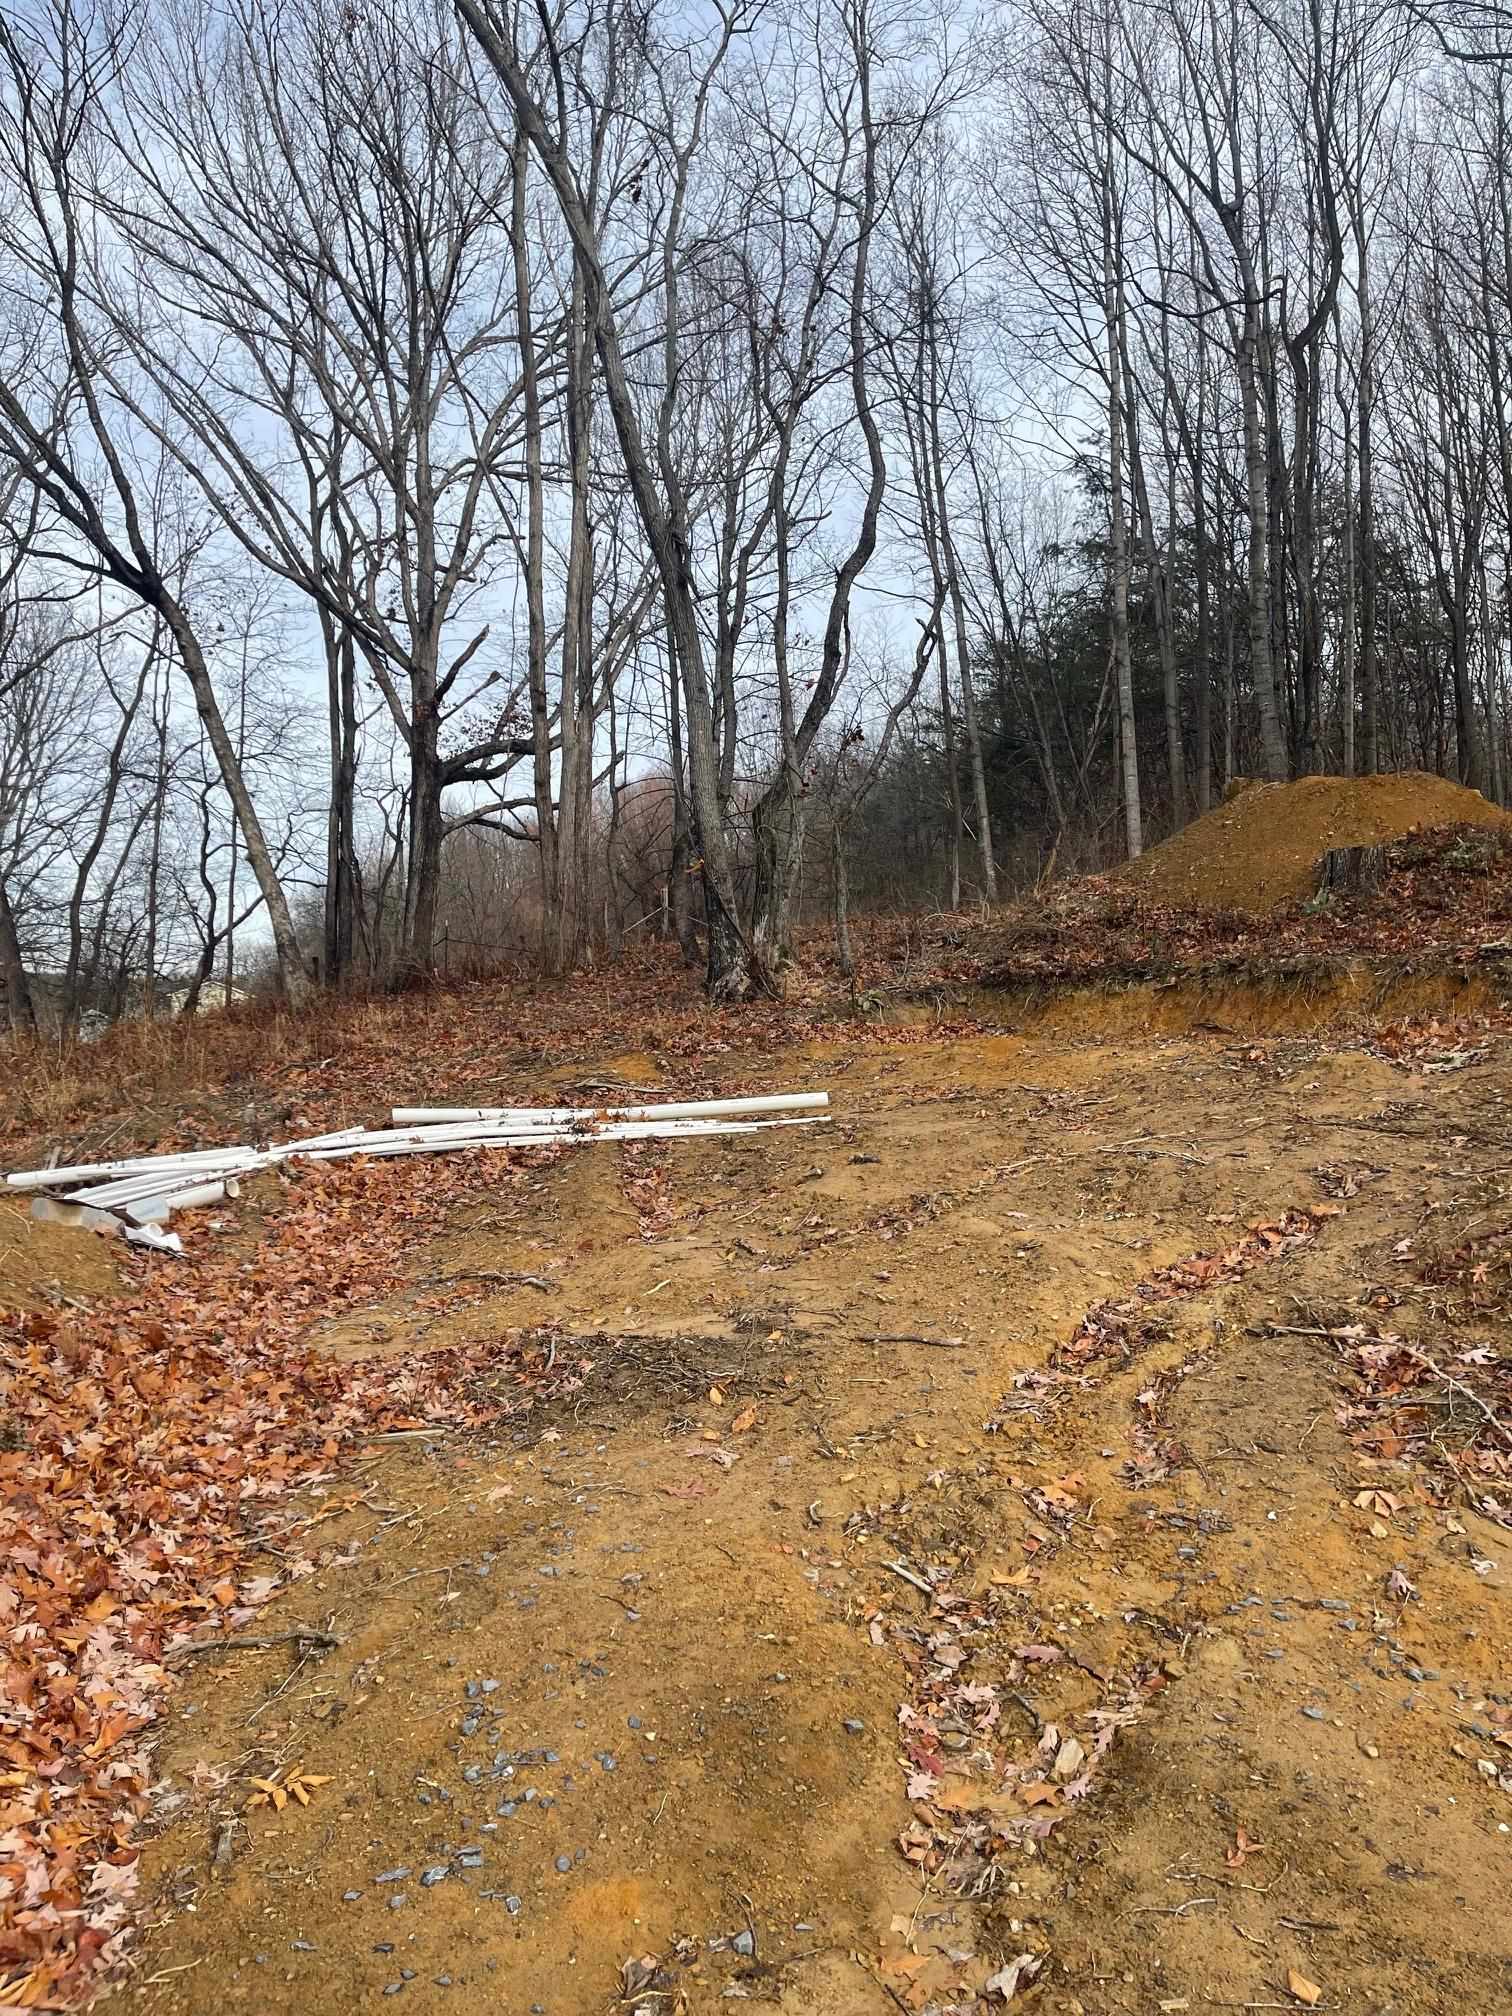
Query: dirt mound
point(1261, 848)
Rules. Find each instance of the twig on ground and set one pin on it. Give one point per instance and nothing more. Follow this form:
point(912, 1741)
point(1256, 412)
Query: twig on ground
point(1459, 1386)
point(911, 1337)
point(1168, 1910)
point(319, 1640)
point(908, 1575)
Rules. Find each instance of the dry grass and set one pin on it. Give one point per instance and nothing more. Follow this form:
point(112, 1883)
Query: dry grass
point(142, 1074)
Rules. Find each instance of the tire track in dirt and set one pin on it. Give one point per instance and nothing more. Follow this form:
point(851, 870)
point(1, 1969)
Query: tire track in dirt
point(1009, 1726)
point(1227, 1670)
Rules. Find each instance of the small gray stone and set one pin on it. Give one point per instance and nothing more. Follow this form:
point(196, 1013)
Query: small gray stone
point(394, 1988)
point(437, 1873)
point(634, 1721)
point(472, 1774)
point(563, 1864)
point(350, 1896)
point(1315, 1714)
point(406, 1973)
point(303, 1946)
point(609, 1762)
point(384, 1946)
point(512, 1906)
point(396, 1902)
point(490, 1686)
point(744, 1943)
point(853, 1726)
point(472, 1690)
point(1332, 1603)
point(470, 1723)
point(392, 1876)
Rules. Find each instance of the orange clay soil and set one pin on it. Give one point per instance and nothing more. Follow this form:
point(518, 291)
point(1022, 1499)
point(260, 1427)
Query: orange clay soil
point(1261, 848)
point(1188, 1718)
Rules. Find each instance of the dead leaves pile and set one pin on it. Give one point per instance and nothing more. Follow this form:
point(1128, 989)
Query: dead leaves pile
point(980, 1787)
point(1447, 1415)
point(1116, 1329)
point(153, 1440)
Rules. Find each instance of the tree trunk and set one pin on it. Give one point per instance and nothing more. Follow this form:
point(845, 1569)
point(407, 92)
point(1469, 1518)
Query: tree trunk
point(1370, 750)
point(535, 578)
point(844, 950)
point(18, 996)
point(291, 968)
point(1123, 667)
point(1347, 615)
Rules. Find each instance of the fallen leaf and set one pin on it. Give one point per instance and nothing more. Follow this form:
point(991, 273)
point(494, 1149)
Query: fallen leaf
point(1371, 1500)
point(1307, 1992)
point(745, 1419)
point(1008, 1980)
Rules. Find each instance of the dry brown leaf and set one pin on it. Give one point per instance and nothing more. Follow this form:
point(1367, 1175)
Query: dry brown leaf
point(1307, 1992)
point(745, 1419)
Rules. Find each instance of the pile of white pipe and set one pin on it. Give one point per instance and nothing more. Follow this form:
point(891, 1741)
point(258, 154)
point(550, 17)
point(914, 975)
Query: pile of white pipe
point(138, 1193)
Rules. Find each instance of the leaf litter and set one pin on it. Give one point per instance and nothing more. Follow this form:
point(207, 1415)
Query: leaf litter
point(154, 1442)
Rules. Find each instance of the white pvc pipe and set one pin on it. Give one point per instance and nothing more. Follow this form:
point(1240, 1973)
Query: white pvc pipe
point(423, 1143)
point(137, 1165)
point(197, 1193)
point(204, 1175)
point(153, 1182)
point(687, 1109)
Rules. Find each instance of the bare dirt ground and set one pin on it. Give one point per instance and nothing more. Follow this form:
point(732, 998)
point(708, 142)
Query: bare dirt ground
point(940, 1586)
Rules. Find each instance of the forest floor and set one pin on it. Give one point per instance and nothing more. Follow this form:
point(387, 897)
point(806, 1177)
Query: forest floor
point(1042, 1537)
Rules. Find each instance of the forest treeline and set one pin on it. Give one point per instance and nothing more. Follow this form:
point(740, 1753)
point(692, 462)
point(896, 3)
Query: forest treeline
point(484, 481)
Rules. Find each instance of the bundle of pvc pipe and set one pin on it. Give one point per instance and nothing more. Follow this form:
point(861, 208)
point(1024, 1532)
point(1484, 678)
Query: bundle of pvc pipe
point(137, 1191)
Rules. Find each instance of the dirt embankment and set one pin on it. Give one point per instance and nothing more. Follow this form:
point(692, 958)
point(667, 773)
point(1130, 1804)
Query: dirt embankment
point(1261, 848)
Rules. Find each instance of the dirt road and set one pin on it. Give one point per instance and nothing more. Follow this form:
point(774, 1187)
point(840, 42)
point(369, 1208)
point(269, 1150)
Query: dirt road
point(936, 1590)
